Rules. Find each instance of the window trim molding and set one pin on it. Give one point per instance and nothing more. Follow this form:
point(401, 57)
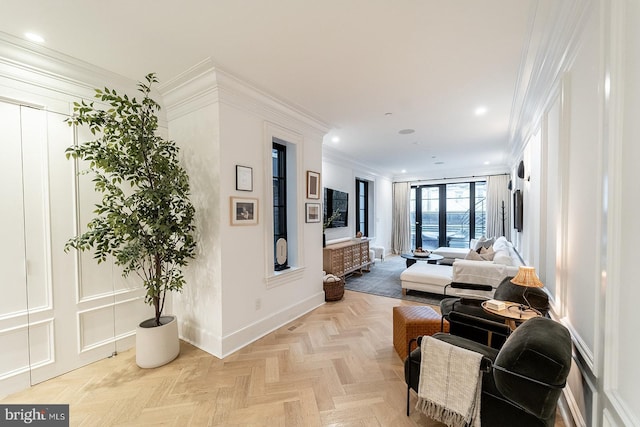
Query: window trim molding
point(295, 225)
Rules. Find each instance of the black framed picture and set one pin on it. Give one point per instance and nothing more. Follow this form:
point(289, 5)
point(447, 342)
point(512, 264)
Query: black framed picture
point(312, 212)
point(244, 178)
point(313, 185)
point(244, 211)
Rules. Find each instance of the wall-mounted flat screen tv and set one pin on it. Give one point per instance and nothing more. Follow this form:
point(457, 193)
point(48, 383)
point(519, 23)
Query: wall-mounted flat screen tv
point(335, 200)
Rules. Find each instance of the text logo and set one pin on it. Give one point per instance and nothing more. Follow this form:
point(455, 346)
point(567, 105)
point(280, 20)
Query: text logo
point(36, 415)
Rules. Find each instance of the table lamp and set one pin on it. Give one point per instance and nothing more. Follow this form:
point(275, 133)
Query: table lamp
point(527, 278)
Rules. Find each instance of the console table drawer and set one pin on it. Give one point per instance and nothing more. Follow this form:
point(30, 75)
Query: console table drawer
point(346, 257)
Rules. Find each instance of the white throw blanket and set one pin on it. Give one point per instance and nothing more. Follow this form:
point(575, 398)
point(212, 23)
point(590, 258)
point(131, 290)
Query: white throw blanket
point(450, 383)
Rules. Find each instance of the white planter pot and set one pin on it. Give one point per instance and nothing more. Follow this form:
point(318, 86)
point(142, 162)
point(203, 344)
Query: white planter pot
point(157, 345)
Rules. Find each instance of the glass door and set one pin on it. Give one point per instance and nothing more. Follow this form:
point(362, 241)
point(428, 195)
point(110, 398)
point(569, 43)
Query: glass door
point(425, 225)
point(447, 214)
point(458, 214)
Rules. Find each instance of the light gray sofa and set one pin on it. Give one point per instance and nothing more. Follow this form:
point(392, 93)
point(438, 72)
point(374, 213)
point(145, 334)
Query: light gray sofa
point(433, 278)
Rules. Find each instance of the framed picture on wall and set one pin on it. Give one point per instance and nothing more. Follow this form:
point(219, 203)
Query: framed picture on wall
point(313, 185)
point(312, 212)
point(244, 178)
point(244, 211)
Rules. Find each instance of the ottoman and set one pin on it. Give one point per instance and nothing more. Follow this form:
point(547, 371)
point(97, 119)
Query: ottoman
point(412, 321)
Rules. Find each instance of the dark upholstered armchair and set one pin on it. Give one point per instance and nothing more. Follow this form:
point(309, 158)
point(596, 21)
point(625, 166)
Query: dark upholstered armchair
point(522, 381)
point(471, 321)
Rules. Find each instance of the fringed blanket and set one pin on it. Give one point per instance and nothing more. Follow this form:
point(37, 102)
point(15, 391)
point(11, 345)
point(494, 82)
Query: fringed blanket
point(450, 383)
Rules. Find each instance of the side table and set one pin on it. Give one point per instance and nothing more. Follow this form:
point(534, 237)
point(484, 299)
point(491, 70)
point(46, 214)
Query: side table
point(512, 313)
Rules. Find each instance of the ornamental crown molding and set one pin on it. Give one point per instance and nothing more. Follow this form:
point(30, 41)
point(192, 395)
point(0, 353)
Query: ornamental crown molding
point(206, 83)
point(554, 31)
point(338, 158)
point(54, 72)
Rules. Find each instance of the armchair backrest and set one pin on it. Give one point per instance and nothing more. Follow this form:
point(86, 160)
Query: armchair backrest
point(533, 365)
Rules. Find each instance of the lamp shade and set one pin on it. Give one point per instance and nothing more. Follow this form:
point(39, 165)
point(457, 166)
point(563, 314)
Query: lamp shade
point(527, 277)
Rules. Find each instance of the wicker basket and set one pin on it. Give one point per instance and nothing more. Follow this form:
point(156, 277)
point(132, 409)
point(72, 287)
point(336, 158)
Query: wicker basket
point(333, 291)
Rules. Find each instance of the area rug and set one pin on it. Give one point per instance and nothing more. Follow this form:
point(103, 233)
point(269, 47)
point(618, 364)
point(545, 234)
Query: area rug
point(384, 280)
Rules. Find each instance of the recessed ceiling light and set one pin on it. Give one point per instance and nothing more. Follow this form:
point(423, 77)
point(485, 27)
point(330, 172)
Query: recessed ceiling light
point(34, 37)
point(406, 131)
point(403, 171)
point(335, 139)
point(487, 162)
point(480, 111)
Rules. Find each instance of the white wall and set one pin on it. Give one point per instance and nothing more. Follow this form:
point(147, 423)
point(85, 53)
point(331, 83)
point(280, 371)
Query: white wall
point(234, 295)
point(340, 174)
point(589, 154)
point(621, 371)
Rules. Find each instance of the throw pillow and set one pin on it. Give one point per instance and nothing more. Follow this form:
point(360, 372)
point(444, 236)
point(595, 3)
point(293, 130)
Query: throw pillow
point(476, 244)
point(487, 254)
point(487, 243)
point(473, 256)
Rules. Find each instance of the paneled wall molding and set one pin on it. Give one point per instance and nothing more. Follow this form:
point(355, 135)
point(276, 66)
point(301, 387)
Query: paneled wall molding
point(546, 55)
point(613, 136)
point(201, 80)
point(562, 181)
point(622, 412)
point(43, 332)
point(617, 410)
point(574, 407)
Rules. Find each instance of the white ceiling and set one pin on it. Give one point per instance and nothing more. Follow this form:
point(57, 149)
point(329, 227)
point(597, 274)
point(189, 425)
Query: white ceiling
point(430, 63)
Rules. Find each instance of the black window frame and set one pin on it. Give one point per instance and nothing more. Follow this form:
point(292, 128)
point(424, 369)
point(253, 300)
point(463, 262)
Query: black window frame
point(279, 172)
point(362, 197)
point(442, 212)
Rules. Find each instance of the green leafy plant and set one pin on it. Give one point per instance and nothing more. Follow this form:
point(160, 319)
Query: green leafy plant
point(145, 219)
point(330, 220)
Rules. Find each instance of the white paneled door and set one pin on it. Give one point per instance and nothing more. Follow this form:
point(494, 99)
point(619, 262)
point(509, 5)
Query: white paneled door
point(14, 319)
point(58, 310)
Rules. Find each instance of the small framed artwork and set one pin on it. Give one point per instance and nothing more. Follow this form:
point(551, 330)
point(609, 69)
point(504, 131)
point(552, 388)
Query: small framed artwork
point(313, 185)
point(244, 211)
point(244, 178)
point(312, 212)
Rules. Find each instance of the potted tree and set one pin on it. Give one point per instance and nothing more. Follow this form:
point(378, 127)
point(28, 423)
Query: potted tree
point(145, 219)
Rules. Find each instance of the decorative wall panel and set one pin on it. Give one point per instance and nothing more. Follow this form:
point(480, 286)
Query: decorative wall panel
point(96, 327)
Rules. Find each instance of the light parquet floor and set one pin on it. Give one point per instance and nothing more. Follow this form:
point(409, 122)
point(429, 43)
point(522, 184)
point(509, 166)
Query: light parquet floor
point(335, 366)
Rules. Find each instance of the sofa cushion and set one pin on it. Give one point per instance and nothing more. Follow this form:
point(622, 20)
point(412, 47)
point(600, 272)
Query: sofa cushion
point(481, 273)
point(422, 272)
point(453, 253)
point(502, 258)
